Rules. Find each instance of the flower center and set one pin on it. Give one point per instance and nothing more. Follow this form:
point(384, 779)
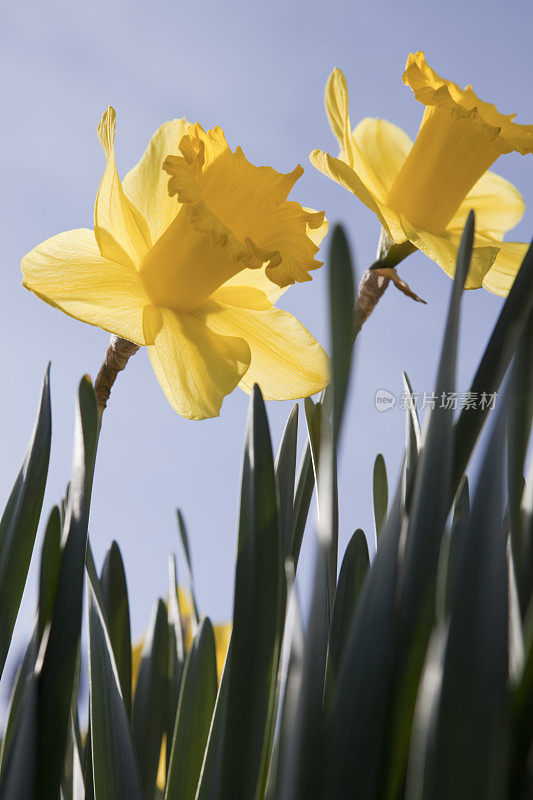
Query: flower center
point(452, 151)
point(186, 265)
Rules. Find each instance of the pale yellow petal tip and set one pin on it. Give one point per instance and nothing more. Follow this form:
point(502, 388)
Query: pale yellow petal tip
point(106, 129)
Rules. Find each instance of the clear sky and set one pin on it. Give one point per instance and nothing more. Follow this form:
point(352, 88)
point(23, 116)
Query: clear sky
point(259, 71)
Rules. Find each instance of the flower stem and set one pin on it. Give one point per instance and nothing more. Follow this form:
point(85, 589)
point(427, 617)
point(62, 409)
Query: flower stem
point(117, 355)
point(377, 277)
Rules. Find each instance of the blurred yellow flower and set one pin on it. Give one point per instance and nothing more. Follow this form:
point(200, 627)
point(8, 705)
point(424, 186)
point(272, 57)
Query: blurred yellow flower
point(190, 266)
point(422, 192)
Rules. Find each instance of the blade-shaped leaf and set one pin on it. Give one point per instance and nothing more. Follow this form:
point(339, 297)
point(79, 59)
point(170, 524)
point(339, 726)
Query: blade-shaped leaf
point(116, 774)
point(19, 522)
point(285, 475)
point(59, 661)
point(195, 712)
point(469, 751)
point(188, 560)
point(149, 716)
point(359, 714)
point(116, 605)
point(493, 366)
point(354, 568)
point(342, 321)
point(255, 638)
point(381, 493)
point(427, 519)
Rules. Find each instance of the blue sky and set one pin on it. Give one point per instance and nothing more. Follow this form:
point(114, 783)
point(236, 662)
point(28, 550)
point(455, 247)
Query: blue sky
point(259, 71)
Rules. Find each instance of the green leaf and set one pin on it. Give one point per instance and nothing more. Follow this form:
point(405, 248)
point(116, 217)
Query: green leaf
point(19, 522)
point(412, 443)
point(468, 752)
point(360, 713)
point(285, 476)
point(209, 787)
point(426, 526)
point(381, 494)
point(493, 366)
point(354, 569)
point(18, 780)
point(256, 635)
point(49, 574)
point(460, 523)
point(188, 560)
point(305, 486)
point(59, 659)
point(117, 613)
point(149, 717)
point(518, 431)
point(116, 774)
point(342, 321)
point(16, 709)
point(193, 720)
point(176, 652)
point(301, 763)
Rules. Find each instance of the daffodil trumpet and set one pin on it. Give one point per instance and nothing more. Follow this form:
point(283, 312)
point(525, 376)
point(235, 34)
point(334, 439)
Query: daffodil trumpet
point(187, 257)
point(422, 192)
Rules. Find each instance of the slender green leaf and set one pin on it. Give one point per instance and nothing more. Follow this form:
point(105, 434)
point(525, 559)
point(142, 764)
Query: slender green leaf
point(359, 715)
point(193, 720)
point(49, 574)
point(117, 613)
point(460, 523)
point(305, 486)
point(176, 653)
point(15, 710)
point(19, 776)
point(354, 569)
point(258, 594)
point(116, 774)
point(381, 493)
point(518, 431)
point(149, 716)
point(342, 321)
point(188, 560)
point(469, 751)
point(19, 522)
point(59, 660)
point(493, 366)
point(426, 526)
point(285, 476)
point(412, 440)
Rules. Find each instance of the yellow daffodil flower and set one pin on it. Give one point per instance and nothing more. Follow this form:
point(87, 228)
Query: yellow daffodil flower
point(422, 192)
point(190, 266)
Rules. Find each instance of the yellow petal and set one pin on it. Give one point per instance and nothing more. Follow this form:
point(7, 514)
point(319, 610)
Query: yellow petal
point(222, 634)
point(255, 279)
point(195, 366)
point(443, 250)
point(121, 231)
point(68, 272)
point(432, 90)
point(251, 202)
point(342, 173)
point(337, 109)
point(287, 362)
point(384, 147)
point(146, 183)
point(500, 277)
point(317, 234)
point(498, 205)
